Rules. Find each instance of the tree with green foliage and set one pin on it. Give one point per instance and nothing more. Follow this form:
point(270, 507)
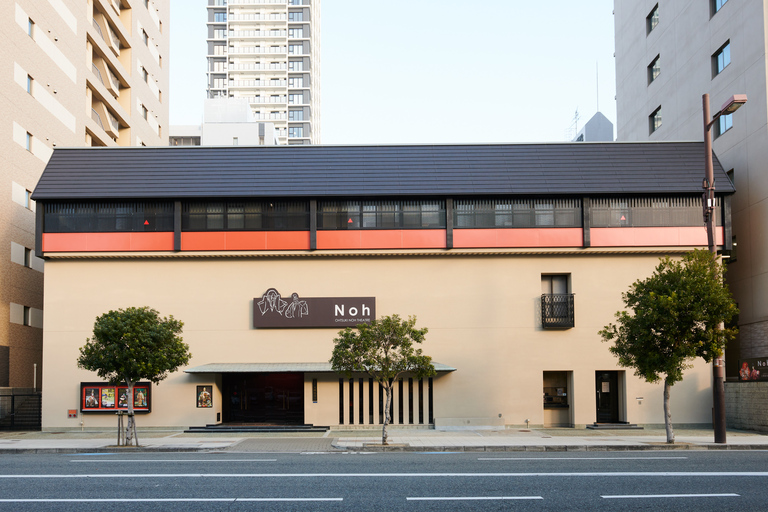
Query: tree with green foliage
point(383, 349)
point(675, 315)
point(130, 345)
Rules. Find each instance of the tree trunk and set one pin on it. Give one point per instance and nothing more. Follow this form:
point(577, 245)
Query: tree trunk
point(130, 429)
point(668, 415)
point(387, 418)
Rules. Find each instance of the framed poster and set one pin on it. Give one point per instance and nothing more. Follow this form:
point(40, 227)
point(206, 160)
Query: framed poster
point(108, 397)
point(204, 397)
point(103, 397)
point(91, 398)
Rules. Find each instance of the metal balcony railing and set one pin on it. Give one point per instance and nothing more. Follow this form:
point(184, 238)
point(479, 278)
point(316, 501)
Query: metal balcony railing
point(557, 310)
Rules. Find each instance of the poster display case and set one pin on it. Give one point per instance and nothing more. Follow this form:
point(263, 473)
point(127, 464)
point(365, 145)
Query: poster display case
point(103, 397)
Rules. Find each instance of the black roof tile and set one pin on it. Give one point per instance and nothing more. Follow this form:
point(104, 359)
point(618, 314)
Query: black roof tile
point(409, 170)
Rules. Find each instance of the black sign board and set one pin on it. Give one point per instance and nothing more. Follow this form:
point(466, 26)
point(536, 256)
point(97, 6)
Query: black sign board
point(754, 369)
point(271, 311)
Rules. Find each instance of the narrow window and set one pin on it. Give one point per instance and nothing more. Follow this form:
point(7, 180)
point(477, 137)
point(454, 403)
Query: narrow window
point(400, 402)
point(410, 401)
point(654, 120)
point(30, 80)
point(361, 404)
point(145, 37)
point(27, 315)
point(28, 142)
point(721, 59)
point(144, 112)
point(654, 69)
point(717, 5)
point(31, 28)
point(652, 19)
point(341, 401)
point(351, 401)
point(724, 123)
point(145, 74)
point(370, 401)
point(234, 141)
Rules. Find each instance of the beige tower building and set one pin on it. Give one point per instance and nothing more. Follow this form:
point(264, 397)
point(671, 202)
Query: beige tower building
point(268, 51)
point(669, 53)
point(75, 73)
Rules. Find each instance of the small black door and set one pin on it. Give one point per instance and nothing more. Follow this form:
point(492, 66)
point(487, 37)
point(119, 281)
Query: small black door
point(607, 393)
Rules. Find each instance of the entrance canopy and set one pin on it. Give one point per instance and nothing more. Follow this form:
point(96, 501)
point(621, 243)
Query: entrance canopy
point(279, 368)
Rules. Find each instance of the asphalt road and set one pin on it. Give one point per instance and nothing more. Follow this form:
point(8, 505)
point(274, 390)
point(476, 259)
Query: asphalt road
point(690, 480)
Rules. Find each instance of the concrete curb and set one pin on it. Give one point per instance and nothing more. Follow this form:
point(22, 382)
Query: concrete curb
point(553, 448)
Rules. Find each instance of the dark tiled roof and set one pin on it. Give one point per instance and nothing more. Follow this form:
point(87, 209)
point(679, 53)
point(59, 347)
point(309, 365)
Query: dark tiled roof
point(410, 170)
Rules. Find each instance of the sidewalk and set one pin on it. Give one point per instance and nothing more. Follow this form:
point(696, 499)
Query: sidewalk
point(420, 440)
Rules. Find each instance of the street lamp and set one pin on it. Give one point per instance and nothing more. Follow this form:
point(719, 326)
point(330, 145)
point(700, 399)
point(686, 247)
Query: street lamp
point(718, 369)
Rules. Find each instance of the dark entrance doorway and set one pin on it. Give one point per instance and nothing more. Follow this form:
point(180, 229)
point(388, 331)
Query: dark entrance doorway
point(607, 392)
point(269, 398)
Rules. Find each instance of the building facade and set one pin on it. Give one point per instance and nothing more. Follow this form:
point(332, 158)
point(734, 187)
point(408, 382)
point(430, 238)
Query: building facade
point(77, 73)
point(268, 52)
point(226, 122)
point(513, 256)
point(669, 53)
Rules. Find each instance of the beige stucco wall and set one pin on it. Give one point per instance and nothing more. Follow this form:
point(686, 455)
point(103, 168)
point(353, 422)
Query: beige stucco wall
point(481, 311)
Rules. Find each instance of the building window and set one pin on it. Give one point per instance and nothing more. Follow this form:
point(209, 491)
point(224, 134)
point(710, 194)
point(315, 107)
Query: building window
point(219, 17)
point(245, 216)
point(31, 28)
point(652, 19)
point(295, 131)
point(721, 59)
point(295, 33)
point(295, 115)
point(717, 5)
point(384, 214)
point(654, 68)
point(516, 213)
point(145, 37)
point(28, 142)
point(724, 123)
point(30, 81)
point(144, 112)
point(235, 141)
point(677, 211)
point(295, 16)
point(654, 120)
point(28, 199)
point(27, 320)
point(295, 65)
point(295, 49)
point(295, 99)
point(108, 217)
point(145, 74)
point(556, 302)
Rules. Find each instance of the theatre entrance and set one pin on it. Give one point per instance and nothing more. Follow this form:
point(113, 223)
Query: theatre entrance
point(266, 398)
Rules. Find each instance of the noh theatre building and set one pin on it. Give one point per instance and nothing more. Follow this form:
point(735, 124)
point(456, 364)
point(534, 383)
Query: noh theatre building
point(514, 256)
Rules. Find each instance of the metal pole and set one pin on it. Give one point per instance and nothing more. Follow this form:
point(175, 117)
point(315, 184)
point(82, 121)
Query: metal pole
point(718, 369)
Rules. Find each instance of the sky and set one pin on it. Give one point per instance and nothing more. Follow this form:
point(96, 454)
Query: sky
point(423, 71)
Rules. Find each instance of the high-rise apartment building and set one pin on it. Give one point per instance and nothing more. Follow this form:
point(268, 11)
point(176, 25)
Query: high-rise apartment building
point(669, 53)
point(76, 73)
point(268, 51)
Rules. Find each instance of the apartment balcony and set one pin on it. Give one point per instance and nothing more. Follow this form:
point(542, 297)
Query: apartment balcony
point(258, 50)
point(557, 310)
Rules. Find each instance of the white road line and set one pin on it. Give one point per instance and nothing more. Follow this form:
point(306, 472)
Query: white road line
point(580, 458)
point(665, 474)
point(136, 500)
point(96, 461)
point(474, 498)
point(629, 496)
